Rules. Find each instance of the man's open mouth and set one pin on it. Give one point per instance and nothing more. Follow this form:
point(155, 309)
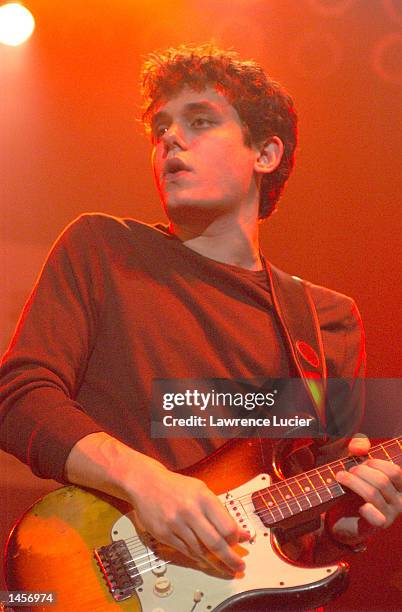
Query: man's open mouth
point(174, 167)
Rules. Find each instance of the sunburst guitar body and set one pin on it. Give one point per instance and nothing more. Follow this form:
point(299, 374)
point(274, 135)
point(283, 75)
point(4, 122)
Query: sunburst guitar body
point(84, 547)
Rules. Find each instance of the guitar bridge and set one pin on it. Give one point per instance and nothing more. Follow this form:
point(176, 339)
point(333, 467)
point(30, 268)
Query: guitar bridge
point(118, 569)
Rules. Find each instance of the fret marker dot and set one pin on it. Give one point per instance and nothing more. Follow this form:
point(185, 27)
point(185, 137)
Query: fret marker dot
point(329, 480)
point(270, 503)
point(307, 489)
point(287, 496)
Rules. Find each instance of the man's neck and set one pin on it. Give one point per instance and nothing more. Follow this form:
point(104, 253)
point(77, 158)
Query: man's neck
point(235, 243)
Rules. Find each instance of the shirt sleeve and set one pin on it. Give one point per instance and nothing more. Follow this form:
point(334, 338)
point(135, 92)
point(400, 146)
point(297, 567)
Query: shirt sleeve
point(40, 421)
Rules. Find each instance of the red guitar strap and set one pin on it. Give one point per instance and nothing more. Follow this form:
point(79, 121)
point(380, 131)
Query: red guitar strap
point(301, 330)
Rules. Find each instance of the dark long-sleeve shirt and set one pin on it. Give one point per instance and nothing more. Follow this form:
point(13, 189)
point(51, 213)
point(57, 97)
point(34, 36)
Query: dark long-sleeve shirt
point(120, 303)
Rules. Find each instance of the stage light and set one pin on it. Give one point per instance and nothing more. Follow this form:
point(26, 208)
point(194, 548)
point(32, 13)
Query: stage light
point(16, 24)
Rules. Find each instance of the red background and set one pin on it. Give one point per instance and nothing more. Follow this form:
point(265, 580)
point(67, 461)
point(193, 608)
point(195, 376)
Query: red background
point(70, 143)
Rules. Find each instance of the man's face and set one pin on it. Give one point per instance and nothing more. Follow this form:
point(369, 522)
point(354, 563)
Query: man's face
point(200, 160)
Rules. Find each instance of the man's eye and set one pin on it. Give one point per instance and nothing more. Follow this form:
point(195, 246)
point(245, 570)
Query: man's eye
point(160, 130)
point(200, 122)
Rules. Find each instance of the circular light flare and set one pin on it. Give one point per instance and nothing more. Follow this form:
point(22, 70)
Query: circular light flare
point(16, 24)
point(387, 47)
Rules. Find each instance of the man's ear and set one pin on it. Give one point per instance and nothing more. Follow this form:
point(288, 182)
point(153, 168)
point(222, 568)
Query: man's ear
point(269, 155)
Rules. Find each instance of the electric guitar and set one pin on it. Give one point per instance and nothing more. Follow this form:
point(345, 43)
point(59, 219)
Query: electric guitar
point(82, 545)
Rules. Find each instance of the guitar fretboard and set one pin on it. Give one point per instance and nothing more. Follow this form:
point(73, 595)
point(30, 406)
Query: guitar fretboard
point(316, 487)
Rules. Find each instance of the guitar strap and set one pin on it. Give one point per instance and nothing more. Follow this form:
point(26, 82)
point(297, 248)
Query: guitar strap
point(298, 319)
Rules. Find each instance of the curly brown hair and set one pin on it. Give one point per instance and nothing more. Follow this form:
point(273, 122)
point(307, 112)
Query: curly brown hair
point(263, 105)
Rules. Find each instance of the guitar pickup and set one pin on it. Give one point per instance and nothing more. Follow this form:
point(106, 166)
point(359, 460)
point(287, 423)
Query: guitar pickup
point(118, 569)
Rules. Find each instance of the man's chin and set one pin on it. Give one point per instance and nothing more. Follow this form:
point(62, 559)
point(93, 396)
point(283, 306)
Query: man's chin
point(185, 211)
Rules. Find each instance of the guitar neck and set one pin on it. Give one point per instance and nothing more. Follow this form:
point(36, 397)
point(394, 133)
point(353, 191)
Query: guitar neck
point(317, 487)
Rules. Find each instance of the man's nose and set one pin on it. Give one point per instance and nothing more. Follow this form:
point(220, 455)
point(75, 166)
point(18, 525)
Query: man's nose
point(174, 138)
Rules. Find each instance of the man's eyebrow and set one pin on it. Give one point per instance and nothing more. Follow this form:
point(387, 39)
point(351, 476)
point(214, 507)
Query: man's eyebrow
point(203, 105)
point(190, 107)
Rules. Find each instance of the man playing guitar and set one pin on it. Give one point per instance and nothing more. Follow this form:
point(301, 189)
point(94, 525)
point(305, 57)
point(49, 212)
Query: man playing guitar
point(120, 303)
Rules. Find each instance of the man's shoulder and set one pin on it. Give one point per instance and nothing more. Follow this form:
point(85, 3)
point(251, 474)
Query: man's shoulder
point(331, 305)
point(342, 329)
point(105, 230)
point(324, 297)
point(105, 222)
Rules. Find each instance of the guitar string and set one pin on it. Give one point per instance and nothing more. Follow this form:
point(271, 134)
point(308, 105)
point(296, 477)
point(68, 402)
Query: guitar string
point(149, 553)
point(152, 558)
point(156, 560)
point(159, 562)
point(295, 498)
point(283, 486)
point(135, 543)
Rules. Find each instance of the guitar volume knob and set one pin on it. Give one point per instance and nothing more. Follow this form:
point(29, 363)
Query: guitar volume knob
point(159, 570)
point(163, 587)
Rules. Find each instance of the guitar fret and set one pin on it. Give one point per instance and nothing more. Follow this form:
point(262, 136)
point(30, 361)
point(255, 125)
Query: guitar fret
point(388, 456)
point(397, 446)
point(316, 484)
point(288, 497)
point(380, 453)
point(350, 462)
point(279, 501)
point(267, 509)
point(298, 492)
point(308, 489)
point(331, 483)
point(390, 452)
point(325, 492)
point(294, 497)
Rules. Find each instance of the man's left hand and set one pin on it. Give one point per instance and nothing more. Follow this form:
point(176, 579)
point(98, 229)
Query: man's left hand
point(379, 484)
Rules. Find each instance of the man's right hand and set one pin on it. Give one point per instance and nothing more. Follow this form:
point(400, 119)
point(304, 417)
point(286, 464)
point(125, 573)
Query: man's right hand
point(179, 511)
point(184, 513)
